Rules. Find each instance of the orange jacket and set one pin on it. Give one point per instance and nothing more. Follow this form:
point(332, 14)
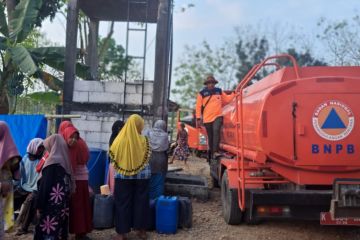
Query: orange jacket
point(212, 109)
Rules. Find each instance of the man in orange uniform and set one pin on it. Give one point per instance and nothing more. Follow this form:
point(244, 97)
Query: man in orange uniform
point(209, 106)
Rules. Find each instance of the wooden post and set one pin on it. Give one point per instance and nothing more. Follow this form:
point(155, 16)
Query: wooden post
point(70, 54)
point(92, 51)
point(162, 53)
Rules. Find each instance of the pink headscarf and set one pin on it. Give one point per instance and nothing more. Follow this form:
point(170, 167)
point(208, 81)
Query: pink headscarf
point(58, 154)
point(8, 148)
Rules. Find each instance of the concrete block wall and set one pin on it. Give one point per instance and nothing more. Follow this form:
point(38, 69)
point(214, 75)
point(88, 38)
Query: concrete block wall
point(112, 92)
point(95, 127)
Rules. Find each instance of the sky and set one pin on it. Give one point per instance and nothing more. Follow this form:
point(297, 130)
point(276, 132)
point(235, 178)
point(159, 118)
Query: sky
point(216, 20)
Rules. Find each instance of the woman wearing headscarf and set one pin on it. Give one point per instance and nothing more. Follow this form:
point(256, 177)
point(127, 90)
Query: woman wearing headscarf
point(28, 183)
point(159, 142)
point(9, 165)
point(80, 209)
point(129, 155)
point(54, 188)
point(63, 125)
point(115, 129)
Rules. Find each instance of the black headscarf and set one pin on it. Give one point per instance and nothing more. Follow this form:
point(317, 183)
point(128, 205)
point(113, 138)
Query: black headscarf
point(116, 127)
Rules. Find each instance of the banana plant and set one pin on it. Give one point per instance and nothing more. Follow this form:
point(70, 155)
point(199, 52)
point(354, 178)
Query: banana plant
point(19, 62)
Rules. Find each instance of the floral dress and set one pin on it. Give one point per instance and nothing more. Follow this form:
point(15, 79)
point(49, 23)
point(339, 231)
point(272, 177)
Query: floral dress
point(53, 204)
point(182, 150)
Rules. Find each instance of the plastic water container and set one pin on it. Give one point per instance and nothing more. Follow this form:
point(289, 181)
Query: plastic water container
point(103, 211)
point(167, 209)
point(96, 166)
point(185, 213)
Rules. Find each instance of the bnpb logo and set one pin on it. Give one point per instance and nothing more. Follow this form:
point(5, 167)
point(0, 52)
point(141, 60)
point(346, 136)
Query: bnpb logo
point(333, 120)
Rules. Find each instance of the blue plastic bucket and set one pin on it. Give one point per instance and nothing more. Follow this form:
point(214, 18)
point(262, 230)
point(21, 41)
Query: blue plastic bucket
point(167, 214)
point(96, 166)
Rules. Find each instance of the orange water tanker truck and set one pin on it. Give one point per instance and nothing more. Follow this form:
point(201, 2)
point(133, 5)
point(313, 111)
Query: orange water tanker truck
point(291, 146)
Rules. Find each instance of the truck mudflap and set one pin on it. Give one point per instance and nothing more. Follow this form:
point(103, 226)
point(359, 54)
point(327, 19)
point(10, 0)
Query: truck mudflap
point(327, 219)
point(345, 204)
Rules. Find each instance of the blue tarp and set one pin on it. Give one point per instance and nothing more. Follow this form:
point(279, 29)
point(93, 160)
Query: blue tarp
point(23, 128)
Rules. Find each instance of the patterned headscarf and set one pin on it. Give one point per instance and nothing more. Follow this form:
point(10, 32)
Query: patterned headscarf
point(130, 151)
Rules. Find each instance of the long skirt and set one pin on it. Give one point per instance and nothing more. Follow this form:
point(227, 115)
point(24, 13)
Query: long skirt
point(80, 209)
point(157, 182)
point(182, 152)
point(131, 204)
point(54, 220)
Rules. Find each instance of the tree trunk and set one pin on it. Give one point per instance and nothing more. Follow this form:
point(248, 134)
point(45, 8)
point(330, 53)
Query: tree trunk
point(4, 103)
point(105, 45)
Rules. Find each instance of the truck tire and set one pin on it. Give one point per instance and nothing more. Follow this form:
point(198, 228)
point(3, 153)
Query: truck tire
point(230, 208)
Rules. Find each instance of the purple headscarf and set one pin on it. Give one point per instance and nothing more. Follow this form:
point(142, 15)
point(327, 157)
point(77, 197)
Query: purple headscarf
point(8, 148)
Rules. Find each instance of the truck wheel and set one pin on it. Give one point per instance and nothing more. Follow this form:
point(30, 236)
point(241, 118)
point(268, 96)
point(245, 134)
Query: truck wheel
point(230, 208)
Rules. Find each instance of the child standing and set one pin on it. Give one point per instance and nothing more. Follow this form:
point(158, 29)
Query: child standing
point(182, 149)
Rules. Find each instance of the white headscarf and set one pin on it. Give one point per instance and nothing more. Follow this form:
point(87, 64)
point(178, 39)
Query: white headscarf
point(158, 137)
point(34, 145)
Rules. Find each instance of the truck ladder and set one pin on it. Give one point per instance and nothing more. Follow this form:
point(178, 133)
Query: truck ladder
point(240, 126)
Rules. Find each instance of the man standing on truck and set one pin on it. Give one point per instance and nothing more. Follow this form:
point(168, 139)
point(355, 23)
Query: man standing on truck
point(209, 108)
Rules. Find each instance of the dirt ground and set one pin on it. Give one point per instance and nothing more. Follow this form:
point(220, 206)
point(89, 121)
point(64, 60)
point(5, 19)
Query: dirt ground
point(209, 224)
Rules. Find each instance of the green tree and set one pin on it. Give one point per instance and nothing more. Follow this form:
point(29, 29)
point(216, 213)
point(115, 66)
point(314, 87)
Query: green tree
point(229, 63)
point(341, 39)
point(196, 64)
point(20, 61)
point(250, 52)
point(303, 59)
point(48, 9)
point(113, 62)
